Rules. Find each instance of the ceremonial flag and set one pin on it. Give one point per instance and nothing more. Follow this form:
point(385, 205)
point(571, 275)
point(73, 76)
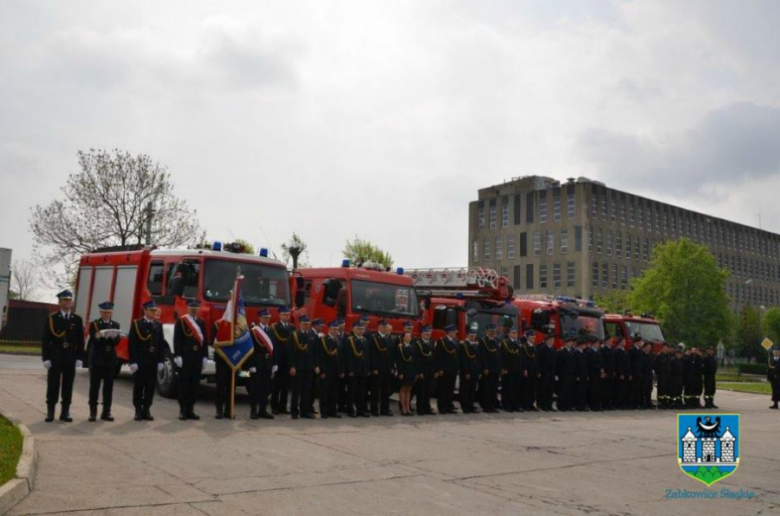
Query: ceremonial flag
point(233, 342)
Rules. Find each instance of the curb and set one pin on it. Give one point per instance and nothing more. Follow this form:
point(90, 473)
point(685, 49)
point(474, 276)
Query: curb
point(16, 489)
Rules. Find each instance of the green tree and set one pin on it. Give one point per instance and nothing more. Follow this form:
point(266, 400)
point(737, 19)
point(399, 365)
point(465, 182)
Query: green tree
point(248, 248)
point(614, 301)
point(749, 333)
point(685, 289)
point(362, 251)
point(770, 323)
point(297, 251)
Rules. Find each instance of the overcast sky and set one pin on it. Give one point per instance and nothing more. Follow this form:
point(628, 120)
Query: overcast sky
point(382, 119)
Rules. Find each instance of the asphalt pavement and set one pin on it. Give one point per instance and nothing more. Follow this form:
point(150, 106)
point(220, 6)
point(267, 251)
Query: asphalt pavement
point(540, 463)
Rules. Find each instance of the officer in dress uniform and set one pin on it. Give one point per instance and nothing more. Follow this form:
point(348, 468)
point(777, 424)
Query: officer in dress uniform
point(357, 371)
point(511, 372)
point(328, 367)
point(531, 374)
point(566, 367)
point(62, 351)
point(661, 367)
point(381, 358)
point(146, 359)
point(545, 359)
point(647, 376)
point(102, 361)
point(676, 379)
point(343, 382)
point(710, 369)
point(262, 369)
point(470, 369)
point(280, 334)
point(697, 384)
point(190, 355)
point(773, 376)
point(224, 375)
point(608, 359)
point(301, 354)
point(423, 357)
point(316, 332)
point(490, 358)
point(623, 376)
point(596, 374)
point(445, 357)
point(636, 375)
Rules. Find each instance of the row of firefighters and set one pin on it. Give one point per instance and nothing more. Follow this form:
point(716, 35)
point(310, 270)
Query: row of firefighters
point(355, 373)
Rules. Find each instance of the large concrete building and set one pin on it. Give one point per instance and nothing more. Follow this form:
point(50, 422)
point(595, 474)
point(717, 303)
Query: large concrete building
point(581, 238)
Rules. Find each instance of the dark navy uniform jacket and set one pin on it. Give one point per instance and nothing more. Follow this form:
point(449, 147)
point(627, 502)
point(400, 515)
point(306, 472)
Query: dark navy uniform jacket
point(63, 339)
point(102, 350)
point(146, 343)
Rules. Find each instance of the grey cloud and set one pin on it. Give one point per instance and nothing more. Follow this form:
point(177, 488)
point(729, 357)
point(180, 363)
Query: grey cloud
point(729, 146)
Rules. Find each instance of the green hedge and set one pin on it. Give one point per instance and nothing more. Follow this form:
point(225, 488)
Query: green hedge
point(10, 449)
point(759, 368)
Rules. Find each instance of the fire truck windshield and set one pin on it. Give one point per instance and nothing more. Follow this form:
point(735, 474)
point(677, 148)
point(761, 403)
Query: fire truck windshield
point(649, 331)
point(384, 299)
point(506, 317)
point(263, 285)
point(592, 325)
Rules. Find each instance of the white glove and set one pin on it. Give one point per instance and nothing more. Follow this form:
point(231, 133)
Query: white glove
point(79, 364)
point(133, 368)
point(47, 364)
point(204, 363)
point(178, 361)
point(252, 369)
point(274, 368)
point(159, 367)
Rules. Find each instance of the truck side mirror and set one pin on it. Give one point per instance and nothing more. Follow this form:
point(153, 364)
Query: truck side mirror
point(176, 286)
point(331, 292)
point(299, 298)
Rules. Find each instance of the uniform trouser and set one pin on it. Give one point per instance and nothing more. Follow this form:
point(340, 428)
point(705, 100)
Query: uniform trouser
point(281, 384)
point(60, 374)
point(709, 387)
point(101, 374)
point(300, 401)
point(224, 381)
point(356, 395)
point(468, 389)
point(342, 393)
point(488, 385)
point(260, 388)
point(145, 380)
point(675, 390)
point(380, 393)
point(566, 390)
point(189, 385)
point(545, 390)
point(329, 393)
point(637, 389)
point(698, 387)
point(446, 392)
point(595, 395)
point(581, 395)
point(422, 391)
point(529, 391)
point(647, 392)
point(663, 389)
point(623, 392)
point(776, 388)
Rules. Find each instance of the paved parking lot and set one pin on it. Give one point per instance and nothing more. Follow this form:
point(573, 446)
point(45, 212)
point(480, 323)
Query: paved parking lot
point(606, 463)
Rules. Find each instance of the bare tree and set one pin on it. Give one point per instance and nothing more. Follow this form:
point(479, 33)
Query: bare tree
point(116, 199)
point(297, 251)
point(25, 279)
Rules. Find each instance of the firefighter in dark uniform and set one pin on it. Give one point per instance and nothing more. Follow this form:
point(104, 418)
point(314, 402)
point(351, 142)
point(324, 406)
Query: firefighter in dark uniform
point(190, 356)
point(692, 365)
point(445, 357)
point(622, 387)
point(697, 382)
point(328, 368)
point(580, 358)
point(147, 352)
point(566, 368)
point(280, 334)
point(343, 382)
point(490, 358)
point(607, 391)
point(357, 371)
point(675, 379)
point(661, 364)
point(470, 370)
point(545, 359)
point(263, 367)
point(102, 360)
point(423, 357)
point(381, 357)
point(531, 373)
point(301, 354)
point(635, 374)
point(710, 369)
point(62, 351)
point(773, 376)
point(647, 376)
point(596, 374)
point(224, 382)
point(511, 372)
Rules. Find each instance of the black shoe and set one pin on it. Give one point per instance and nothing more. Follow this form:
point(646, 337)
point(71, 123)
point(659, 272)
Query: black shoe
point(182, 416)
point(295, 416)
point(253, 413)
point(274, 411)
point(106, 416)
point(265, 415)
point(308, 416)
point(218, 415)
point(352, 414)
point(138, 416)
point(431, 412)
point(92, 414)
point(49, 413)
point(283, 411)
point(376, 414)
point(714, 406)
point(323, 416)
point(388, 413)
point(365, 414)
point(148, 415)
point(192, 415)
point(336, 415)
point(65, 415)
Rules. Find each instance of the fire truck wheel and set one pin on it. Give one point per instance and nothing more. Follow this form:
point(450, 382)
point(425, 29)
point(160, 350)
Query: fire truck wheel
point(166, 379)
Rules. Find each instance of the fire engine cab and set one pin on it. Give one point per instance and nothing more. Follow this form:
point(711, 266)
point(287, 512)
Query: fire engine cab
point(464, 297)
point(132, 275)
point(561, 313)
point(628, 325)
point(351, 292)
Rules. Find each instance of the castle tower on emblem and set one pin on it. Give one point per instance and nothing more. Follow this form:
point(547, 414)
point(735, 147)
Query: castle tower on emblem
point(727, 446)
point(708, 447)
point(689, 446)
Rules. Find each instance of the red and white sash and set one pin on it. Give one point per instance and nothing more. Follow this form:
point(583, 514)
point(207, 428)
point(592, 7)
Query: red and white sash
point(263, 338)
point(194, 328)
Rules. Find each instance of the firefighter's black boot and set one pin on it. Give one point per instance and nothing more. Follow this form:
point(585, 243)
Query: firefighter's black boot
point(65, 414)
point(50, 413)
point(253, 412)
point(92, 413)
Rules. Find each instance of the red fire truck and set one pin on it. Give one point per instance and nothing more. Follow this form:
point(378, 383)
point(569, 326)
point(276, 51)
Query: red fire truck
point(464, 297)
point(132, 275)
point(562, 313)
point(350, 292)
point(628, 325)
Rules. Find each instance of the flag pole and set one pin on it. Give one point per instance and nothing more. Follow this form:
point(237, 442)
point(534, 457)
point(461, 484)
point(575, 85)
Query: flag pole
point(233, 394)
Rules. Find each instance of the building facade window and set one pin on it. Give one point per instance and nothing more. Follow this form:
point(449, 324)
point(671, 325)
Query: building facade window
point(537, 242)
point(517, 209)
point(542, 275)
point(516, 277)
point(590, 240)
point(599, 240)
point(523, 244)
point(550, 241)
point(595, 275)
point(604, 275)
point(624, 279)
point(556, 275)
point(613, 208)
point(645, 252)
point(529, 276)
point(557, 208)
point(481, 214)
point(636, 248)
point(570, 274)
point(609, 242)
point(623, 213)
point(510, 248)
point(499, 248)
point(564, 241)
point(529, 208)
point(486, 250)
point(594, 206)
point(577, 239)
point(604, 207)
point(475, 251)
point(628, 247)
point(505, 213)
point(493, 214)
point(619, 245)
point(571, 206)
point(542, 207)
point(614, 275)
point(631, 213)
point(639, 216)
